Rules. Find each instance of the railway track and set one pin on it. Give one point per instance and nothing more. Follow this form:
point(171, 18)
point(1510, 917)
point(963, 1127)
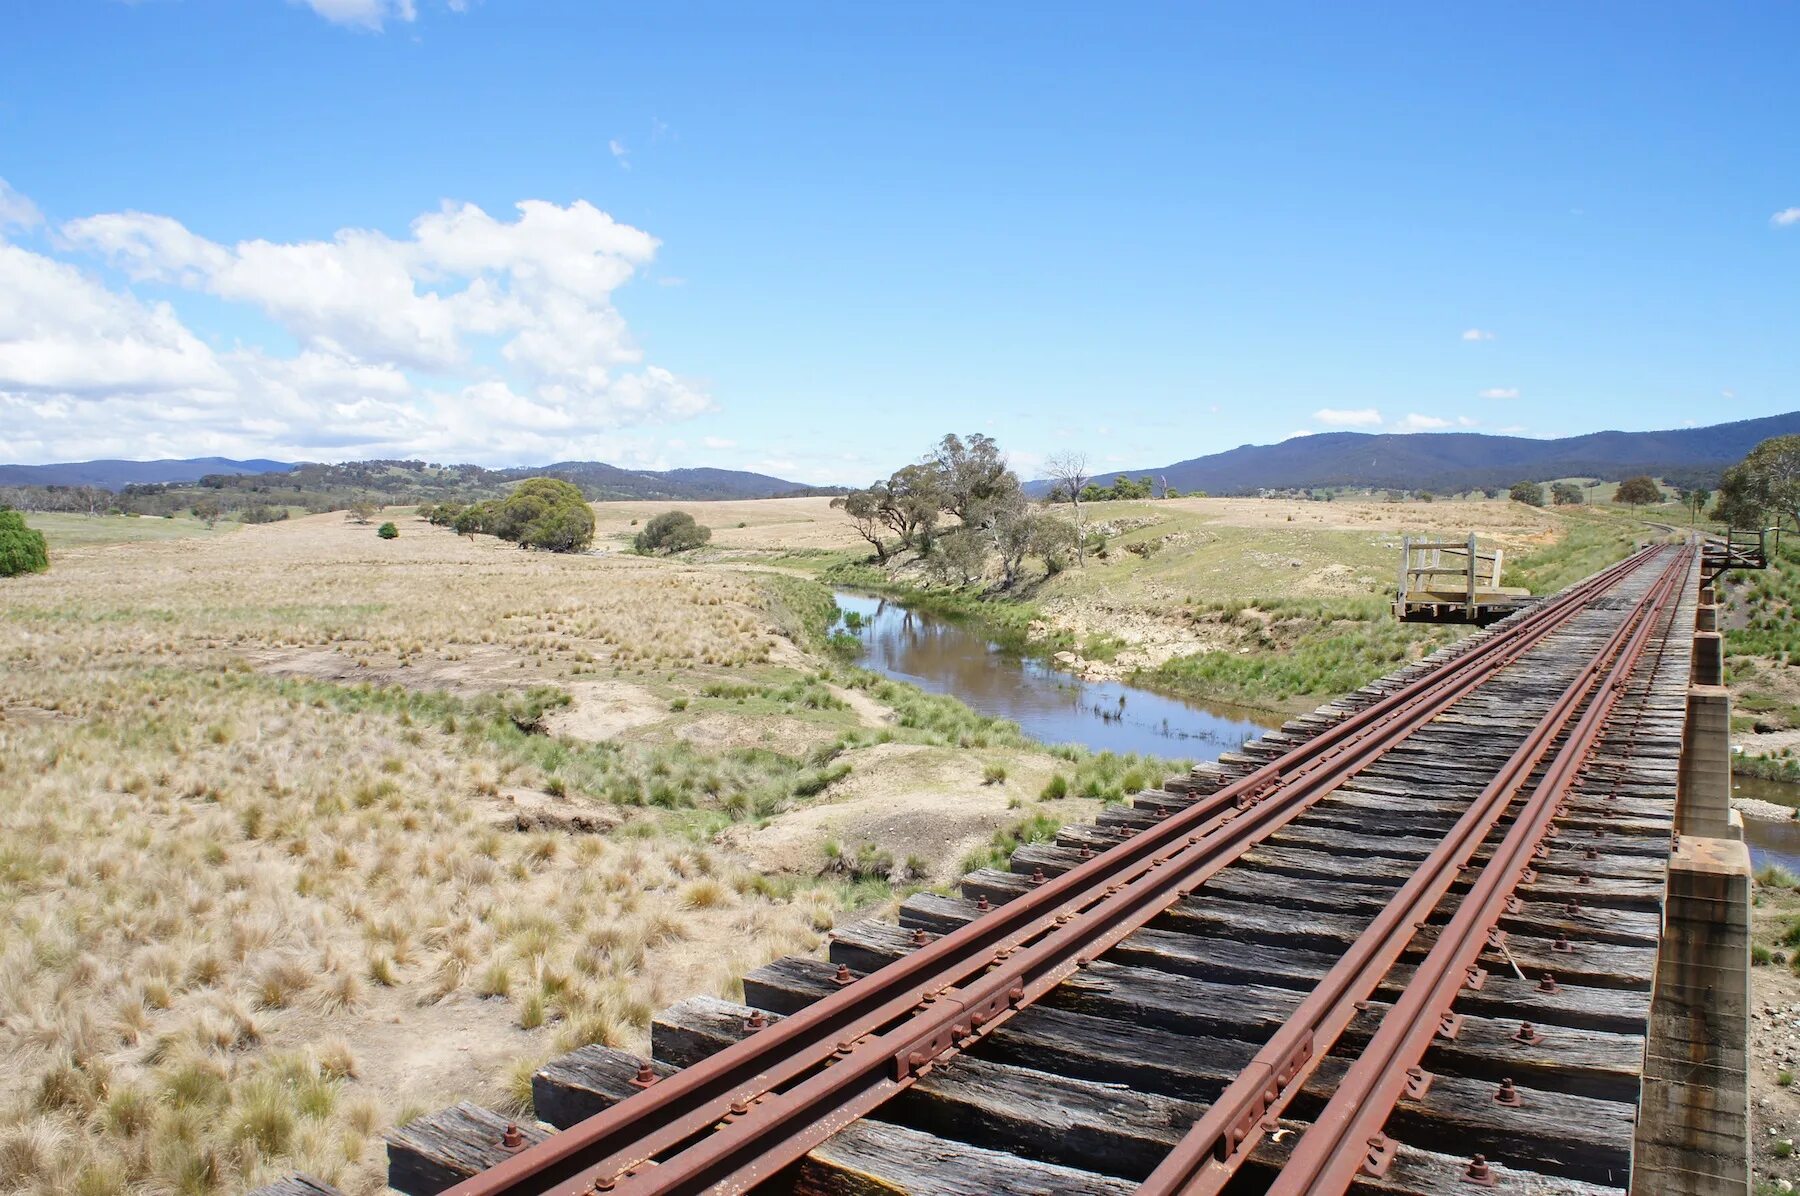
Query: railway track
point(1404, 945)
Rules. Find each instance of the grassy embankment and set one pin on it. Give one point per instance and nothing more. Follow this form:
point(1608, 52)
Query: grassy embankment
point(302, 832)
point(1762, 649)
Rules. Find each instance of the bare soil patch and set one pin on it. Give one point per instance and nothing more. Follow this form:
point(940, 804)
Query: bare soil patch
point(909, 800)
point(605, 709)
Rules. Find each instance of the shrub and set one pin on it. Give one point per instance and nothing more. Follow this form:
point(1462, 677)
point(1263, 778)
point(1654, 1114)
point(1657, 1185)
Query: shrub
point(388, 531)
point(672, 531)
point(1529, 493)
point(994, 774)
point(470, 521)
point(262, 513)
point(22, 549)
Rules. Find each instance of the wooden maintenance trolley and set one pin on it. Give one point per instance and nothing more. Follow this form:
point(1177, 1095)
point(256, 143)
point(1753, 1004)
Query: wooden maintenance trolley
point(1450, 581)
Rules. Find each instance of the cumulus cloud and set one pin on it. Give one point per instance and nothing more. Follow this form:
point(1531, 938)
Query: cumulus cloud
point(472, 337)
point(1364, 417)
point(1477, 334)
point(1500, 392)
point(1785, 217)
point(64, 332)
point(1414, 422)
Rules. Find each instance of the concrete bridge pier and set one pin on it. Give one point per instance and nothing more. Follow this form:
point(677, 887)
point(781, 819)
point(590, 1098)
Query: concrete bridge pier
point(1693, 1131)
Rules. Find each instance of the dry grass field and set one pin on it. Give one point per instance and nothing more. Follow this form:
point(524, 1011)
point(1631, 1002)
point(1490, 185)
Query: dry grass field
point(303, 831)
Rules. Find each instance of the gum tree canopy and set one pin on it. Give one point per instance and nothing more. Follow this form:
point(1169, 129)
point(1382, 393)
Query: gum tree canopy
point(546, 513)
point(22, 549)
point(1767, 482)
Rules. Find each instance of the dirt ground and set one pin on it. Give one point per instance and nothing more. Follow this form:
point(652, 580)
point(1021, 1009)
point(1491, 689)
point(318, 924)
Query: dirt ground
point(1774, 1047)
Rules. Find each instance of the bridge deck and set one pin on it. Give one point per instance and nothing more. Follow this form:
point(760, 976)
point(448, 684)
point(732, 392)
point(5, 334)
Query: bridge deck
point(1089, 1087)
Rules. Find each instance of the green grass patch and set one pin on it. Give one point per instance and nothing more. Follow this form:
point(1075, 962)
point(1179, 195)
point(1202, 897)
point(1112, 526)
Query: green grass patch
point(1308, 650)
point(64, 530)
point(1590, 543)
point(1039, 828)
point(1765, 600)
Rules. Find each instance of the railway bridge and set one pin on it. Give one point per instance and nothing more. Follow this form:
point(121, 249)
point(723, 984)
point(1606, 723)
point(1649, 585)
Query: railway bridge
point(1481, 924)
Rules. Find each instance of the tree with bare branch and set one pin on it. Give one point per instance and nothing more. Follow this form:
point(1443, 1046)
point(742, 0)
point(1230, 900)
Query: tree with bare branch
point(1068, 472)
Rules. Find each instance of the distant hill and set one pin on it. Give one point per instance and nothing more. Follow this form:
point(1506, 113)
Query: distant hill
point(1450, 462)
point(600, 481)
point(116, 475)
point(163, 487)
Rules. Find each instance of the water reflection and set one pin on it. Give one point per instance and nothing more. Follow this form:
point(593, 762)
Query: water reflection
point(941, 656)
point(1771, 841)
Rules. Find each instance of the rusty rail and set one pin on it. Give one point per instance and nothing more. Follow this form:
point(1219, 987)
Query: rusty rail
point(736, 1119)
point(1346, 1138)
point(1211, 1153)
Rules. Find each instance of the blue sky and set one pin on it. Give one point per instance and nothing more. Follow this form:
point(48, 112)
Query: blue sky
point(811, 239)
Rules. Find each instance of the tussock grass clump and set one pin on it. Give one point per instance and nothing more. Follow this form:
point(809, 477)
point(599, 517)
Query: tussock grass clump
point(258, 807)
point(1039, 828)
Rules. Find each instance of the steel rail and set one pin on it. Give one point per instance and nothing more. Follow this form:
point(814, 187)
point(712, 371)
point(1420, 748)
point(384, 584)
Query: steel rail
point(769, 1098)
point(1210, 1154)
point(1346, 1138)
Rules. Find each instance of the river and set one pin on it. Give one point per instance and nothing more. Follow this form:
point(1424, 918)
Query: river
point(945, 656)
point(1771, 841)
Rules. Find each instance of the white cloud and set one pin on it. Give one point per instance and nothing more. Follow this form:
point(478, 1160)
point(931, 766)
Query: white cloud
point(1728, 394)
point(63, 332)
point(365, 14)
point(1297, 433)
point(1464, 421)
point(1414, 422)
point(718, 442)
point(1500, 392)
point(620, 154)
point(1361, 418)
point(1785, 217)
point(15, 210)
point(472, 338)
point(1477, 334)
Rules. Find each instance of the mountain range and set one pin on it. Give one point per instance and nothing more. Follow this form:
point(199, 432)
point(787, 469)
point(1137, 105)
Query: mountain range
point(115, 475)
point(401, 478)
point(1451, 462)
point(1447, 462)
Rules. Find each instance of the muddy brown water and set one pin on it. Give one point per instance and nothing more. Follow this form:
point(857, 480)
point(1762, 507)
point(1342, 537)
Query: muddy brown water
point(944, 656)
